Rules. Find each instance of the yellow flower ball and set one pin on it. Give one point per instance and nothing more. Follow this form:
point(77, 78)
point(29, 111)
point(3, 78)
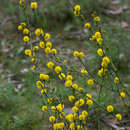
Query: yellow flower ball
point(97, 35)
point(26, 31)
point(71, 98)
point(85, 113)
point(28, 52)
point(119, 116)
point(75, 86)
point(39, 32)
point(20, 27)
point(68, 83)
point(81, 55)
point(99, 41)
point(89, 102)
point(49, 44)
point(77, 7)
point(33, 5)
point(53, 109)
point(39, 84)
point(33, 60)
point(35, 48)
point(76, 13)
point(26, 39)
point(50, 65)
point(110, 108)
point(44, 108)
point(106, 59)
point(47, 50)
point(52, 119)
point(69, 77)
point(122, 95)
point(100, 52)
point(97, 19)
point(54, 51)
point(22, 2)
point(47, 36)
point(75, 109)
point(58, 69)
point(116, 80)
point(87, 25)
point(76, 54)
point(42, 44)
point(90, 82)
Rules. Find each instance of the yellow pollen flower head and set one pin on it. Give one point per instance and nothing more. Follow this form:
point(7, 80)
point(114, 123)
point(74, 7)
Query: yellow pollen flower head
point(35, 48)
point(49, 44)
point(28, 52)
point(44, 108)
point(116, 80)
point(119, 116)
point(87, 25)
point(100, 52)
point(54, 51)
point(53, 109)
point(47, 36)
point(68, 83)
point(58, 69)
point(26, 39)
point(99, 41)
point(77, 8)
point(71, 98)
point(90, 82)
point(50, 65)
point(81, 54)
point(26, 31)
point(39, 32)
point(69, 77)
point(47, 50)
point(122, 95)
point(97, 19)
point(33, 5)
point(39, 84)
point(110, 108)
point(89, 102)
point(75, 109)
point(42, 44)
point(76, 54)
point(52, 119)
point(76, 13)
point(97, 35)
point(75, 86)
point(85, 113)
point(20, 27)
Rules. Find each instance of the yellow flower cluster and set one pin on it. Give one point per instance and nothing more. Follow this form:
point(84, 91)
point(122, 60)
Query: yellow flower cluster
point(77, 81)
